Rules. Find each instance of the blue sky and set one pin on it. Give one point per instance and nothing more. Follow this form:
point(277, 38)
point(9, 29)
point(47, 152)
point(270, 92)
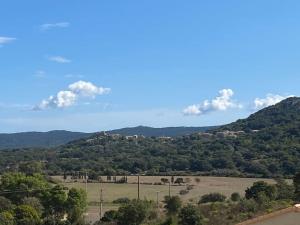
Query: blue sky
point(161, 63)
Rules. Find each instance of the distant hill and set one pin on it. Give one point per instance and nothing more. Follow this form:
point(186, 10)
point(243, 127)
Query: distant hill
point(266, 144)
point(160, 132)
point(284, 114)
point(39, 139)
point(59, 137)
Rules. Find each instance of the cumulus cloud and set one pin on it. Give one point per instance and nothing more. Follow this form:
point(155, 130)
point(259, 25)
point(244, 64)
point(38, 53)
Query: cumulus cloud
point(48, 26)
point(221, 103)
point(87, 89)
point(59, 59)
point(67, 98)
point(6, 40)
point(269, 100)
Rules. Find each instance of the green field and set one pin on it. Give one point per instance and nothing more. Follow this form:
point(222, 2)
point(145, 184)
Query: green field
point(112, 191)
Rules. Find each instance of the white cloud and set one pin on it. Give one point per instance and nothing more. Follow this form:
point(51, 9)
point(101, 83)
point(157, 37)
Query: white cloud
point(6, 40)
point(87, 89)
point(192, 110)
point(220, 103)
point(59, 59)
point(67, 98)
point(63, 99)
point(269, 100)
point(48, 26)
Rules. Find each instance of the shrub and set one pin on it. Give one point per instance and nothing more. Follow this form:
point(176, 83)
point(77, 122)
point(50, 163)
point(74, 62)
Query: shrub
point(235, 197)
point(121, 201)
point(110, 216)
point(189, 215)
point(197, 180)
point(183, 192)
point(212, 197)
point(173, 204)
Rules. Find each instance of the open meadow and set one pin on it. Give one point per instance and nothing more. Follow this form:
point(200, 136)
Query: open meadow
point(151, 187)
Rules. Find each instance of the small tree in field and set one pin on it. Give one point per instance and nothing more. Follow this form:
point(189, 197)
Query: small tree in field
point(198, 180)
point(172, 179)
point(164, 180)
point(179, 181)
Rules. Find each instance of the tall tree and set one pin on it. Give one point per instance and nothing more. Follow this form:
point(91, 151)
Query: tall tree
point(76, 204)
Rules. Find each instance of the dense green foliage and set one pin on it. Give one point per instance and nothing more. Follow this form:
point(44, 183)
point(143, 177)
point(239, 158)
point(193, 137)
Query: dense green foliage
point(32, 200)
point(261, 187)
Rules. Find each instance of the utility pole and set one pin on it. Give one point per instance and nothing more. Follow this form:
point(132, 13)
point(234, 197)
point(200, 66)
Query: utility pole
point(138, 187)
point(86, 182)
point(101, 203)
point(157, 202)
point(169, 188)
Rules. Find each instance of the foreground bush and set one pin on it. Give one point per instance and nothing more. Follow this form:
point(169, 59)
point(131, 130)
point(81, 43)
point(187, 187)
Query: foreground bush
point(212, 197)
point(189, 215)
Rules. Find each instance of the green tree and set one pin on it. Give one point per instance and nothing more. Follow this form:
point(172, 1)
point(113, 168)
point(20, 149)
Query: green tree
point(34, 203)
point(189, 215)
point(26, 215)
point(55, 202)
point(133, 213)
point(7, 218)
point(22, 186)
point(179, 181)
point(31, 168)
point(76, 204)
point(172, 204)
point(164, 180)
point(261, 186)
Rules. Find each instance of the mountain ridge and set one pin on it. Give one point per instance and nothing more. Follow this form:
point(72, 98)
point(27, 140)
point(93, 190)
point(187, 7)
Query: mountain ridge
point(55, 138)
